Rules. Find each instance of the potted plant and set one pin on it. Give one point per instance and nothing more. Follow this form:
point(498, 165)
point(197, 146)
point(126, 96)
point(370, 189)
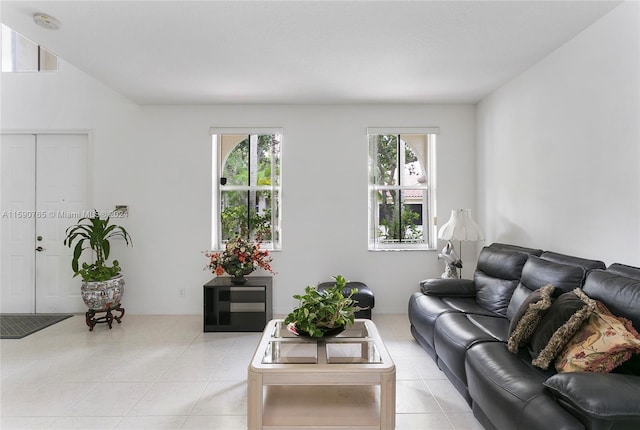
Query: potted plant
point(325, 313)
point(102, 285)
point(239, 258)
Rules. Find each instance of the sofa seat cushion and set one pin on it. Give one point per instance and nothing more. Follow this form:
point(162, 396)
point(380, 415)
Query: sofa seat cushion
point(466, 305)
point(495, 326)
point(608, 400)
point(510, 390)
point(423, 312)
point(454, 334)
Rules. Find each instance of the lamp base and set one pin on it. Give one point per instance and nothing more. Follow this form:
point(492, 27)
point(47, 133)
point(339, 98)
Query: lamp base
point(451, 261)
point(450, 272)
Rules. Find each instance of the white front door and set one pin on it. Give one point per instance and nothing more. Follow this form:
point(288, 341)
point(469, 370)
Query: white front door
point(50, 201)
point(61, 194)
point(17, 231)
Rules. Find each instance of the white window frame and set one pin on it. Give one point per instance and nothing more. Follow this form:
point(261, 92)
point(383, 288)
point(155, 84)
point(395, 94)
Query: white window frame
point(218, 188)
point(429, 227)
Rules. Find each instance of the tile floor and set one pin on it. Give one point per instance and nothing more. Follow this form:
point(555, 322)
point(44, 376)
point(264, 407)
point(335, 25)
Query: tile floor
point(162, 372)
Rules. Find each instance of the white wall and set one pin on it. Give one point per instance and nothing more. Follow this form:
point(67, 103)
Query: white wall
point(324, 197)
point(559, 147)
point(157, 161)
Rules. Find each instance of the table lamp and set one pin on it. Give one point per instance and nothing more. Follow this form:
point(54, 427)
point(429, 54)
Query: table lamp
point(460, 227)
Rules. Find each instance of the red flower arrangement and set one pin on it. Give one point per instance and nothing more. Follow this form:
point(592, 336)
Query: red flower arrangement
point(239, 258)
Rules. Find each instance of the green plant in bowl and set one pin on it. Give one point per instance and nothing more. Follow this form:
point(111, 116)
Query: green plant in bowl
point(320, 314)
point(93, 234)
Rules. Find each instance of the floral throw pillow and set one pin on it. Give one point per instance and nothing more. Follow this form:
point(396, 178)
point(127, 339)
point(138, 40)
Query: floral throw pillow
point(602, 343)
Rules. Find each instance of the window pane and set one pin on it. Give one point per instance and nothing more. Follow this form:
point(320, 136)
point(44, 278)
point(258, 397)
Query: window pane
point(413, 172)
point(246, 214)
point(268, 168)
point(275, 219)
point(385, 154)
point(234, 214)
point(400, 220)
point(48, 61)
point(236, 165)
point(411, 216)
point(388, 228)
point(260, 221)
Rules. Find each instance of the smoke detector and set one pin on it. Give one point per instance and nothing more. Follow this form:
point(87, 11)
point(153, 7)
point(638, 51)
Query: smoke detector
point(46, 21)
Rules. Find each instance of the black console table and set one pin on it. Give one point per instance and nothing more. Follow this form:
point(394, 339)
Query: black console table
point(229, 307)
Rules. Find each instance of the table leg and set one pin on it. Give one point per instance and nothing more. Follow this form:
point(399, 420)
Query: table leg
point(121, 310)
point(388, 401)
point(255, 401)
point(90, 320)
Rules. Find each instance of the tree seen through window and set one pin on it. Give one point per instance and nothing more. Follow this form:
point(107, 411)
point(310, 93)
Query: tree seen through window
point(249, 187)
point(401, 190)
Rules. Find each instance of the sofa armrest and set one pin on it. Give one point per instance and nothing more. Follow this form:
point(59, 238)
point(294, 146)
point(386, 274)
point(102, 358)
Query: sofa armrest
point(600, 396)
point(448, 287)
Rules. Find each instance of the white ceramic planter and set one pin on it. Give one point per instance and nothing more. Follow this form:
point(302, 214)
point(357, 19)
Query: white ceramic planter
point(103, 295)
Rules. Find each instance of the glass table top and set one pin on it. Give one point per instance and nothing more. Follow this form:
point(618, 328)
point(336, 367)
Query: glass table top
point(357, 330)
point(354, 345)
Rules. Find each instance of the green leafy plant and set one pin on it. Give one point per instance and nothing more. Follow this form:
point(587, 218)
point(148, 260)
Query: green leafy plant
point(321, 311)
point(94, 233)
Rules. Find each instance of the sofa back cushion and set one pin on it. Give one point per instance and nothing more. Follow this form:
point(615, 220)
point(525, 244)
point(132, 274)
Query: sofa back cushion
point(624, 270)
point(585, 263)
point(537, 273)
point(497, 275)
point(516, 248)
point(621, 294)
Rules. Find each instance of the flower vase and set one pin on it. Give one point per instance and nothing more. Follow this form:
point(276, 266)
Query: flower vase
point(238, 280)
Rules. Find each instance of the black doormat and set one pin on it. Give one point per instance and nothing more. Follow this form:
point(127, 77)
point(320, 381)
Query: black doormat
point(17, 326)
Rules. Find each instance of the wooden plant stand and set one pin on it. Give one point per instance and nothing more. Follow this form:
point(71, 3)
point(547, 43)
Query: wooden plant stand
point(107, 318)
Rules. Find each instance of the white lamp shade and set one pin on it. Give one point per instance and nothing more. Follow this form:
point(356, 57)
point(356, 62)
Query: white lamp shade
point(461, 227)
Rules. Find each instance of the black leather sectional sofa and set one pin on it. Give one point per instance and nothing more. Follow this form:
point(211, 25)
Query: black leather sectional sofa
point(464, 326)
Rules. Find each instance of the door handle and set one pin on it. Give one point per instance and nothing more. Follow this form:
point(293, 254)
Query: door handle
point(39, 249)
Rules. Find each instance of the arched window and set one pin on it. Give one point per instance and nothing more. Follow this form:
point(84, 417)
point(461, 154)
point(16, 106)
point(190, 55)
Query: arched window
point(247, 186)
point(401, 188)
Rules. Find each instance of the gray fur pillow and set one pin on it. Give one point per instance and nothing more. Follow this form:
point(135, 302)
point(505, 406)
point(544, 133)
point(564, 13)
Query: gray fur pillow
point(528, 316)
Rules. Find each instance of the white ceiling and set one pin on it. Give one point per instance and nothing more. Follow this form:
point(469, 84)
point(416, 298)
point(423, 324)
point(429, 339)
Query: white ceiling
point(210, 52)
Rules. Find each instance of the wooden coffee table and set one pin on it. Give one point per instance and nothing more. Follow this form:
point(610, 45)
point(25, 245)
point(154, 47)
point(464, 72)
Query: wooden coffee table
point(343, 382)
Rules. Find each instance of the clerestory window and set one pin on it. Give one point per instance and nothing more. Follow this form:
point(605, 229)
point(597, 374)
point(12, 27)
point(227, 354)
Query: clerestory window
point(246, 186)
point(20, 54)
point(402, 192)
